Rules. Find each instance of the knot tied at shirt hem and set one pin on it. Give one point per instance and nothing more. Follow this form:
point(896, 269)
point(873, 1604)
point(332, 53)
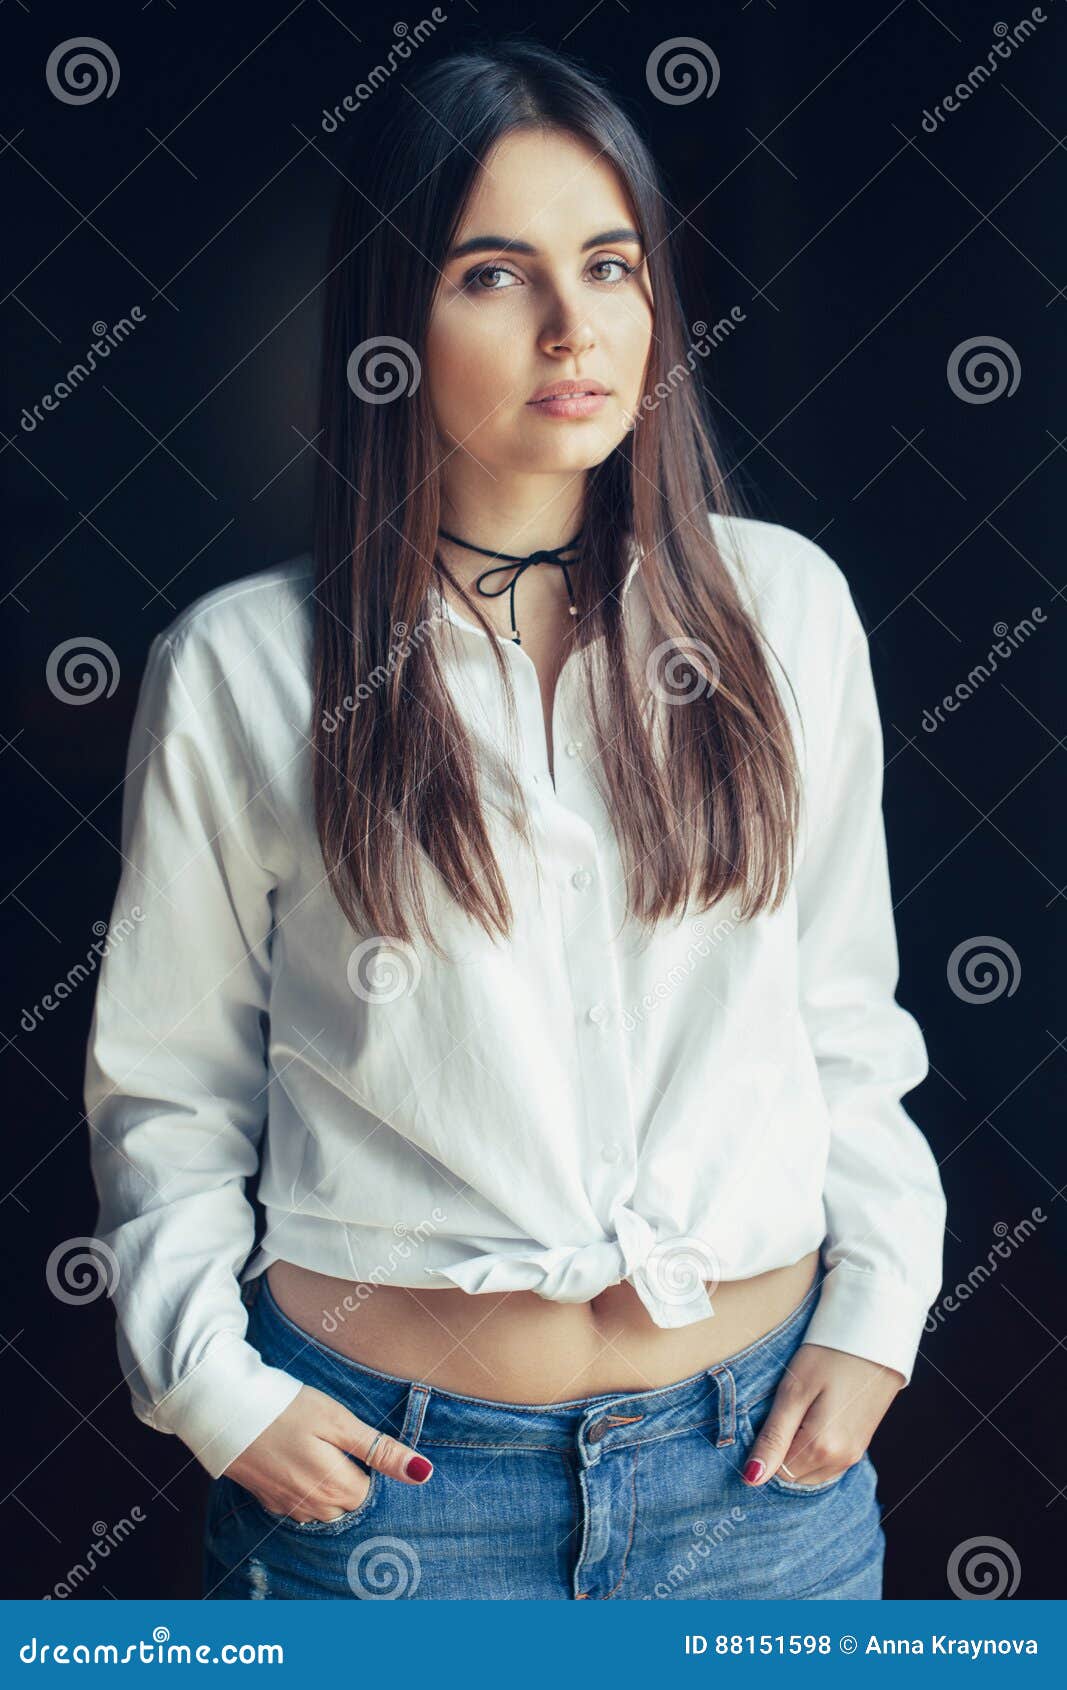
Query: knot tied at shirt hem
point(670, 1275)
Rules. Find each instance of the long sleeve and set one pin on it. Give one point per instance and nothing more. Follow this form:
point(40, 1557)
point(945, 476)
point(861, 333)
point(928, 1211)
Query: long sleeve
point(884, 1202)
point(175, 1076)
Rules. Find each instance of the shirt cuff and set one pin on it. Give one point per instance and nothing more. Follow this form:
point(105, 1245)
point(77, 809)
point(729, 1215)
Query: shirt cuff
point(868, 1315)
point(225, 1402)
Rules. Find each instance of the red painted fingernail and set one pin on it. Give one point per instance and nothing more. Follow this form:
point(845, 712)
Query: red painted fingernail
point(752, 1471)
point(419, 1468)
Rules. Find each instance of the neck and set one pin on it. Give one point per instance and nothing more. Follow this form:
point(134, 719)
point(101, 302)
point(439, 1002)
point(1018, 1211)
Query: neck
point(510, 514)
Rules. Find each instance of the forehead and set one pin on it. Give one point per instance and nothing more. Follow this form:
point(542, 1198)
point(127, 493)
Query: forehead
point(546, 186)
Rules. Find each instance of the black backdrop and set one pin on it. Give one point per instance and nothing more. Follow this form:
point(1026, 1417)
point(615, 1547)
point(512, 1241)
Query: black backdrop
point(864, 248)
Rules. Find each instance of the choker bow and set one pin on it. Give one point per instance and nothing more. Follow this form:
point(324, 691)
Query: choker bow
point(523, 564)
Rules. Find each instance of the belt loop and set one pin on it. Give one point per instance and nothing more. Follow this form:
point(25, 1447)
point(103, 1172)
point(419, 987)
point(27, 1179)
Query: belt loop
point(250, 1291)
point(724, 1381)
point(414, 1414)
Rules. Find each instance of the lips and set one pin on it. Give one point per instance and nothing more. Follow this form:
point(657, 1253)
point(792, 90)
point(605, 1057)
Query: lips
point(570, 388)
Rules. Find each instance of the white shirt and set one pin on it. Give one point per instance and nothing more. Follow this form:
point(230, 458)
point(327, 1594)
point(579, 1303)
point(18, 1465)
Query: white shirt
point(554, 1113)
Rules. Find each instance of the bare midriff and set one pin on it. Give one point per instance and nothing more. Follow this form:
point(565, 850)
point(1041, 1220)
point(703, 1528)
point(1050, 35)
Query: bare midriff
point(515, 1346)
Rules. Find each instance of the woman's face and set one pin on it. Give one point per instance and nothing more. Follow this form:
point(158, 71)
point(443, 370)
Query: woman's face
point(545, 281)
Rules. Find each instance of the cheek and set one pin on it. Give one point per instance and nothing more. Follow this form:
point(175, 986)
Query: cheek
point(629, 338)
point(474, 367)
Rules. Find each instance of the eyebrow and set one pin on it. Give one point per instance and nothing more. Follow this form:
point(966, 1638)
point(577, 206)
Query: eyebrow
point(501, 243)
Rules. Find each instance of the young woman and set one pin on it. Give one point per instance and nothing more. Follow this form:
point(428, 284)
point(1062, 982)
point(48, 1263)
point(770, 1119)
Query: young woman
point(516, 858)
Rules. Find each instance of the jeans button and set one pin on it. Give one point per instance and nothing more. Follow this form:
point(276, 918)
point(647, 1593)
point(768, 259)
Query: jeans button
point(596, 1431)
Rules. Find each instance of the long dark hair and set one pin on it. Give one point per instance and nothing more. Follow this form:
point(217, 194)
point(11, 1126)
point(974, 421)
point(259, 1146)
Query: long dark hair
point(704, 807)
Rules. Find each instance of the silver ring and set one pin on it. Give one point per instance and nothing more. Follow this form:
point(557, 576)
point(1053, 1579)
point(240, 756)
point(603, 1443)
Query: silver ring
point(785, 1469)
point(374, 1444)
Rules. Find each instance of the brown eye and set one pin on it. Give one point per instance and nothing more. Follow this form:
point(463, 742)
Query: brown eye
point(473, 277)
point(627, 269)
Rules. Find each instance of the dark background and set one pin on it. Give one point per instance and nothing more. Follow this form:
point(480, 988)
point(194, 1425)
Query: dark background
point(862, 251)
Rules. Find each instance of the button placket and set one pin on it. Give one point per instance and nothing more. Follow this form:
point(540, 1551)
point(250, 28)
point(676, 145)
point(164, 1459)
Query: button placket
point(572, 825)
point(608, 1104)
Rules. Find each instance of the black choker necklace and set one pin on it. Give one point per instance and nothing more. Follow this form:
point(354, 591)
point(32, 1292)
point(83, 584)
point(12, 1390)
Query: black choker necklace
point(523, 563)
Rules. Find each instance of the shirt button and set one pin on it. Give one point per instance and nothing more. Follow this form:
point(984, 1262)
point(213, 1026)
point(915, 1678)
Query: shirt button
point(573, 747)
point(611, 1152)
point(599, 1014)
point(581, 878)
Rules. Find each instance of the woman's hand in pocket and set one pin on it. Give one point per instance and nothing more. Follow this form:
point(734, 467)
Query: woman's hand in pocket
point(299, 1466)
point(826, 1410)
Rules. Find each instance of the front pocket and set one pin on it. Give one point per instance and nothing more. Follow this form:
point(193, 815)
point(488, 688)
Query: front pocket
point(326, 1528)
point(749, 1421)
point(793, 1487)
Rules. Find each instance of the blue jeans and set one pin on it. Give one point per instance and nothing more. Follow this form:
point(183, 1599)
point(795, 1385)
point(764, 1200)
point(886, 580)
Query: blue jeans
point(631, 1495)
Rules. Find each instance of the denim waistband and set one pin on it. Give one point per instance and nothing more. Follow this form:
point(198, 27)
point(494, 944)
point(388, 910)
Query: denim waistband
point(428, 1414)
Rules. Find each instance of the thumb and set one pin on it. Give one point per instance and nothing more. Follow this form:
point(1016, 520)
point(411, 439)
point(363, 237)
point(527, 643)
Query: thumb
point(775, 1436)
point(379, 1450)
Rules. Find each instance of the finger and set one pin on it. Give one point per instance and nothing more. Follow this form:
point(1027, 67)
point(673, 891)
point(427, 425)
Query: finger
point(772, 1445)
point(381, 1451)
point(819, 1451)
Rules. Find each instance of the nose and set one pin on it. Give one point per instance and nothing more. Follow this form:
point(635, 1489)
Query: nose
point(575, 336)
point(580, 339)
